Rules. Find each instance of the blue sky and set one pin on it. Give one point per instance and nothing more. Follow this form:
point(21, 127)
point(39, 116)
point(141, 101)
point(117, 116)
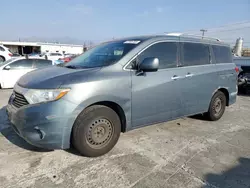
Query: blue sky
point(98, 20)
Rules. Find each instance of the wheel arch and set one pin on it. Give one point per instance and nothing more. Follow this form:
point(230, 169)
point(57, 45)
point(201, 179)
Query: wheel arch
point(226, 93)
point(122, 106)
point(117, 108)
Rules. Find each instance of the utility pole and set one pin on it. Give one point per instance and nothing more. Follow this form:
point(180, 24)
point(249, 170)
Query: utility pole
point(203, 32)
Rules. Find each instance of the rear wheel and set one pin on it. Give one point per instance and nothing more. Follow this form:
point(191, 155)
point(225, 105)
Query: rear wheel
point(217, 106)
point(96, 131)
point(2, 59)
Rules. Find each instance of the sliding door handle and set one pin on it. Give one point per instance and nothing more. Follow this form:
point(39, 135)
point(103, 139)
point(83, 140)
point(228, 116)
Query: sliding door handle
point(175, 77)
point(189, 75)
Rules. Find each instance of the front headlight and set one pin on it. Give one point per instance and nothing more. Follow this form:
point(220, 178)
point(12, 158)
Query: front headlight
point(37, 96)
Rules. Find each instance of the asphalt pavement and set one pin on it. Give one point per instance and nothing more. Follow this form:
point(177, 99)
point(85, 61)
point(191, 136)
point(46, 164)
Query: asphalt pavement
point(185, 153)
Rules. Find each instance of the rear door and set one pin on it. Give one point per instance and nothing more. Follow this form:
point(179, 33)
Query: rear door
point(199, 77)
point(156, 95)
point(16, 70)
point(227, 76)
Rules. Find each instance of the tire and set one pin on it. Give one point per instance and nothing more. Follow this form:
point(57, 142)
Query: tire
point(2, 59)
point(217, 106)
point(96, 131)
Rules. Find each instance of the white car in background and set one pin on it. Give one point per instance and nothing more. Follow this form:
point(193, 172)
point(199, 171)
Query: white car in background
point(13, 69)
point(53, 55)
point(5, 53)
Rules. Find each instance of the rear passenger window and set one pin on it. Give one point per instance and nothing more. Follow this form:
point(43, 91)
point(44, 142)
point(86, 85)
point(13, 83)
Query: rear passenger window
point(222, 54)
point(166, 52)
point(195, 54)
point(39, 63)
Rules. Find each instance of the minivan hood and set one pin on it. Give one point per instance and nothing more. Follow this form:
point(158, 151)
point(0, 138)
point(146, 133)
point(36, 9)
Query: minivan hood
point(53, 77)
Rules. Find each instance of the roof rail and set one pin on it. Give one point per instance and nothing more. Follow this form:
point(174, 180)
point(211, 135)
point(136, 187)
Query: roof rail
point(191, 35)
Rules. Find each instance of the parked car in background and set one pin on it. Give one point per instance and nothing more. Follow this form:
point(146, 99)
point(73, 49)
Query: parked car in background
point(12, 69)
point(53, 55)
point(122, 85)
point(16, 55)
point(68, 58)
point(68, 55)
point(243, 64)
point(34, 54)
point(5, 53)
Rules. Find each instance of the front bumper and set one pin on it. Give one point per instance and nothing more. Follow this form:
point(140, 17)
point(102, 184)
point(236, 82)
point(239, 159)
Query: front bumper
point(45, 125)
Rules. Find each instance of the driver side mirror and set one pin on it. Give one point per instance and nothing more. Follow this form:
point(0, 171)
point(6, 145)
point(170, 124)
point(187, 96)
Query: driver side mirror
point(7, 67)
point(150, 64)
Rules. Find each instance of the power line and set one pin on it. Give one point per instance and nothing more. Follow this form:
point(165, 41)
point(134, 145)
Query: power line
point(229, 25)
point(224, 26)
point(219, 31)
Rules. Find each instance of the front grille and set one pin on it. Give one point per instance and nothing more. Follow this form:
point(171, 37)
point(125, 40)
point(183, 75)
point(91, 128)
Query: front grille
point(19, 100)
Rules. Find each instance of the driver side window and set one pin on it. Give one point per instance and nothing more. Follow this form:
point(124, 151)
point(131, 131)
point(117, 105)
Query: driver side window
point(166, 52)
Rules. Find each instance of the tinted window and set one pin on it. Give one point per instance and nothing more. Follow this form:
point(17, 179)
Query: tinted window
point(39, 63)
point(22, 64)
point(195, 54)
point(2, 49)
point(222, 54)
point(166, 52)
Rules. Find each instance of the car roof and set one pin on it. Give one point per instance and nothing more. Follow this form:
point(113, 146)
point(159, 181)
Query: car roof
point(175, 36)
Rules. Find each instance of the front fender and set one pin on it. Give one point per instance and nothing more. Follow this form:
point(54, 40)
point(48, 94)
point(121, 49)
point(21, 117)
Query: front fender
point(124, 103)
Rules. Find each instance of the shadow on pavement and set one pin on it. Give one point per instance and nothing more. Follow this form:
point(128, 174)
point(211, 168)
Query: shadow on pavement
point(199, 117)
point(11, 135)
point(238, 176)
point(73, 151)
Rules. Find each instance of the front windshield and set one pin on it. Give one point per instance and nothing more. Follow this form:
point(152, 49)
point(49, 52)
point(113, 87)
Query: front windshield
point(103, 55)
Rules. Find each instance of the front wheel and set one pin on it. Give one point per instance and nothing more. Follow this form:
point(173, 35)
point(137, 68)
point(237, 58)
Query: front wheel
point(96, 131)
point(217, 106)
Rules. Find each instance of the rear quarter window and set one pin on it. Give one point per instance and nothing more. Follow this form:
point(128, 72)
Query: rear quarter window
point(222, 54)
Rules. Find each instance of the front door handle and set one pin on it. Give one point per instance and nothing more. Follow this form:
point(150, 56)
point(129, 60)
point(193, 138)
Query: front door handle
point(189, 75)
point(175, 77)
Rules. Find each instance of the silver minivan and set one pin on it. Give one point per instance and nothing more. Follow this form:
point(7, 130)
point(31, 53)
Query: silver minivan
point(122, 85)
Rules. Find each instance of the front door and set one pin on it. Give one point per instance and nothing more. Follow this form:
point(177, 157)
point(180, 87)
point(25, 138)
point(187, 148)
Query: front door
point(156, 95)
point(13, 71)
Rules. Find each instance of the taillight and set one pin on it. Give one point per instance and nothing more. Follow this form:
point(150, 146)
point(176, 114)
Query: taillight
point(237, 69)
point(10, 55)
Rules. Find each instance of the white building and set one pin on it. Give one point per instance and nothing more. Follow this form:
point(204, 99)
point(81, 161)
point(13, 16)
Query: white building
point(39, 47)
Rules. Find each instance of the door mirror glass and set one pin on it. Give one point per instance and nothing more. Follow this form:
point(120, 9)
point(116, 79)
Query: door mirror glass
point(150, 64)
point(7, 67)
